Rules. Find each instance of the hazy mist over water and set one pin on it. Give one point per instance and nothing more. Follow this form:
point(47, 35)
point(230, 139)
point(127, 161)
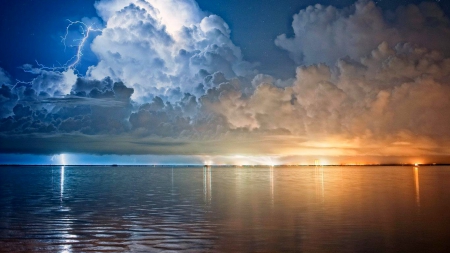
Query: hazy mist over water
point(264, 209)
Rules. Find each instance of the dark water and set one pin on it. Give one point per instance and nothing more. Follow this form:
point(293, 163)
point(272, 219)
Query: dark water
point(260, 209)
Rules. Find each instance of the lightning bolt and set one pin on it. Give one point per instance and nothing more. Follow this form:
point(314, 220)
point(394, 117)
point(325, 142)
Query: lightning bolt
point(72, 63)
point(85, 32)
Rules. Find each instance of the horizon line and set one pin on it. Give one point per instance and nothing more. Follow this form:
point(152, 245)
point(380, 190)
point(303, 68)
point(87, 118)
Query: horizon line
point(230, 165)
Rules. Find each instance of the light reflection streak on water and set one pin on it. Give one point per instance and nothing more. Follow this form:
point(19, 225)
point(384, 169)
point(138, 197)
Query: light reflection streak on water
point(323, 191)
point(114, 209)
point(271, 183)
point(416, 181)
point(207, 185)
point(319, 176)
point(204, 183)
point(210, 184)
point(62, 184)
point(66, 247)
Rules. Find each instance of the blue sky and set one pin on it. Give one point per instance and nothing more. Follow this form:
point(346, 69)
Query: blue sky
point(187, 81)
point(35, 29)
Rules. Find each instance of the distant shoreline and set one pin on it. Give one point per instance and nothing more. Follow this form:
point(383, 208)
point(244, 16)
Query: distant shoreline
point(201, 165)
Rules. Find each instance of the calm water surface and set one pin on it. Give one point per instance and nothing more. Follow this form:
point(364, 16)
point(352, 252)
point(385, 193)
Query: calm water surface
point(258, 209)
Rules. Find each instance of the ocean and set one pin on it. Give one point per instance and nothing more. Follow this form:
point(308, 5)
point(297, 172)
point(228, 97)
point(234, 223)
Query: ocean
point(224, 209)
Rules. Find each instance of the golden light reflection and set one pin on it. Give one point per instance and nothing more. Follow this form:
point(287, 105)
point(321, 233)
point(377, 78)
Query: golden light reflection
point(323, 192)
point(416, 182)
point(319, 178)
point(271, 184)
point(241, 160)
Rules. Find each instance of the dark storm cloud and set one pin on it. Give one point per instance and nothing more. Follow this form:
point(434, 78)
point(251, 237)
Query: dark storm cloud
point(67, 100)
point(93, 112)
point(384, 92)
point(4, 78)
point(7, 100)
point(87, 144)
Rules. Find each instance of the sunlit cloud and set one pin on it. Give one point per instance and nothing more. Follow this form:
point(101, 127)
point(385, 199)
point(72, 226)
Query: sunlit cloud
point(170, 81)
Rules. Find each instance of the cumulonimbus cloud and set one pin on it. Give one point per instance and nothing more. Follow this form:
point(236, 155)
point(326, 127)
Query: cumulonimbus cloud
point(156, 46)
point(184, 88)
point(324, 34)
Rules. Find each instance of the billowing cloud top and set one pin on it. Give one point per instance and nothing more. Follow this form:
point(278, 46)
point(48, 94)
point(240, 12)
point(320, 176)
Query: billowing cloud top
point(160, 47)
point(170, 81)
point(324, 34)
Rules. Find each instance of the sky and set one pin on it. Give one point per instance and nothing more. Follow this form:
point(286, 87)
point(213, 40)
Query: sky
point(226, 81)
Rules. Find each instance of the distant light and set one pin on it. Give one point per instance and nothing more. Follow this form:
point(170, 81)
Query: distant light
point(416, 164)
point(63, 159)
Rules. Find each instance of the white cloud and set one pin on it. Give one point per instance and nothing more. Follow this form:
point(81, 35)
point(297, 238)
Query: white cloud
point(389, 98)
point(155, 46)
point(323, 34)
point(399, 94)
